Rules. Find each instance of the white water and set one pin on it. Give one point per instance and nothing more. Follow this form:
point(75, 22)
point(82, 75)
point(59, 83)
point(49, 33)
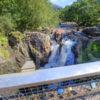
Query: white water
point(61, 56)
point(54, 57)
point(66, 55)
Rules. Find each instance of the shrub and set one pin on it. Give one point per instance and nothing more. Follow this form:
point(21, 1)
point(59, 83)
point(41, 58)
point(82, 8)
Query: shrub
point(4, 53)
point(6, 24)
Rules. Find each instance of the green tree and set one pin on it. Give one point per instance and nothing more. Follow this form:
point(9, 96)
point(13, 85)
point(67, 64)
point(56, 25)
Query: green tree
point(83, 12)
point(6, 24)
point(29, 14)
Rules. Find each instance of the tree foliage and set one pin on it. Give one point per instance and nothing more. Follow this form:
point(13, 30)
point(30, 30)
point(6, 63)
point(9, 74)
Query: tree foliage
point(83, 12)
point(6, 24)
point(27, 14)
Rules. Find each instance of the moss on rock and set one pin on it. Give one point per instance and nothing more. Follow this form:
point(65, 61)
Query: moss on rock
point(4, 53)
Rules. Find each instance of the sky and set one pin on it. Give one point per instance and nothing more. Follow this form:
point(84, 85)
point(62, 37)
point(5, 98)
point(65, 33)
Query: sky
point(62, 3)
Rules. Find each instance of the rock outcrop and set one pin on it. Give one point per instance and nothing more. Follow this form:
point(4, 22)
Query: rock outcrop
point(35, 47)
point(92, 31)
point(39, 47)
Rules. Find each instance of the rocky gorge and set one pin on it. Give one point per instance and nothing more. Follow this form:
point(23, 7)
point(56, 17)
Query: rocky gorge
point(44, 48)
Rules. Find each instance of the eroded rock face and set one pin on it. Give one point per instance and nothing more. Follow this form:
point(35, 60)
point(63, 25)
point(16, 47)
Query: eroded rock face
point(19, 50)
point(21, 54)
point(9, 67)
point(39, 47)
point(92, 31)
point(35, 46)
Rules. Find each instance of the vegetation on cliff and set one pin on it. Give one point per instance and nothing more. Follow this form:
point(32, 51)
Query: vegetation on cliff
point(4, 53)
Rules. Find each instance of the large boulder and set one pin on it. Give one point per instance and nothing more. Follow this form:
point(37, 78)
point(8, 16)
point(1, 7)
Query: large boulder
point(35, 46)
point(39, 47)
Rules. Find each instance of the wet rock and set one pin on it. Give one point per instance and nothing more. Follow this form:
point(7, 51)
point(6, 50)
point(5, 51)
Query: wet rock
point(92, 31)
point(35, 46)
point(80, 46)
point(57, 34)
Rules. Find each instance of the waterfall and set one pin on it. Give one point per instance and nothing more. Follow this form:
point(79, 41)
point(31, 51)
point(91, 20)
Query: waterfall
point(66, 54)
point(61, 55)
point(53, 59)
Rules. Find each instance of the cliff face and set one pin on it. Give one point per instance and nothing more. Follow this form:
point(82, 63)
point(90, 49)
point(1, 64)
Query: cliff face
point(38, 47)
point(34, 46)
